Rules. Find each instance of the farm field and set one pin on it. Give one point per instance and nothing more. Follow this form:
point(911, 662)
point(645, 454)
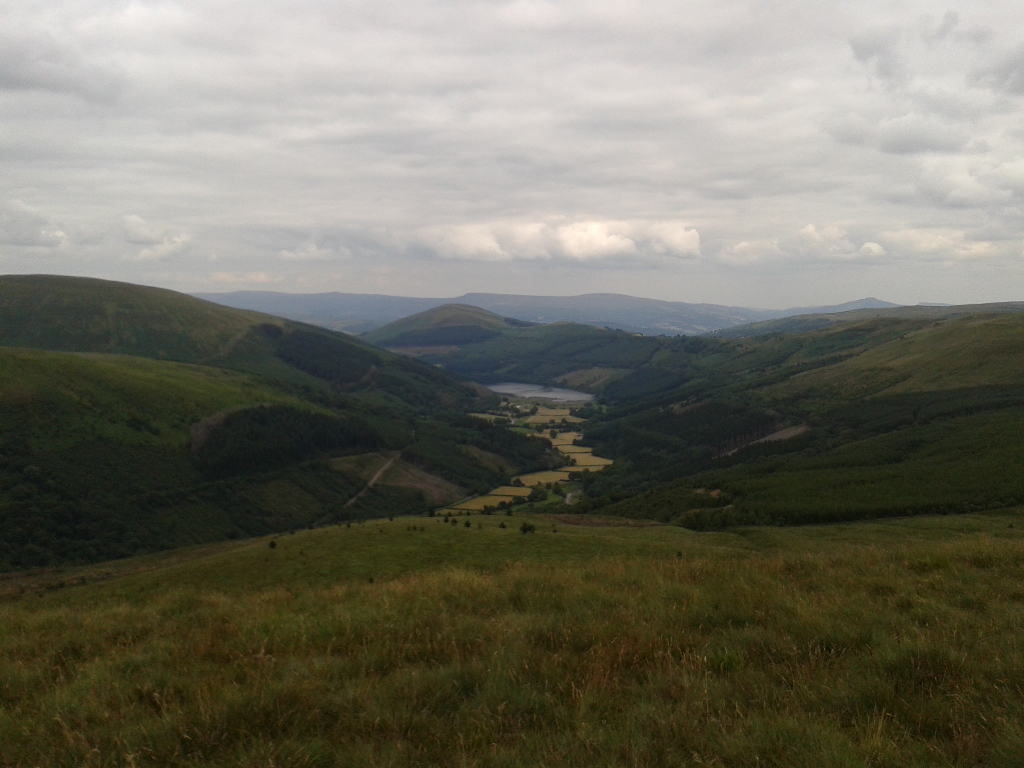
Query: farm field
point(543, 418)
point(542, 478)
point(484, 416)
point(590, 461)
point(412, 643)
point(571, 449)
point(565, 438)
point(478, 503)
point(510, 490)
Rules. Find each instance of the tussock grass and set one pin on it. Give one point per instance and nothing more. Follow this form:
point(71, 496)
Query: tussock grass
point(891, 644)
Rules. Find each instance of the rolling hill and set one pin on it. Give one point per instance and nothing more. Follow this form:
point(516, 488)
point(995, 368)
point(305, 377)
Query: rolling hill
point(71, 314)
point(447, 325)
point(886, 416)
point(135, 419)
point(359, 313)
point(813, 320)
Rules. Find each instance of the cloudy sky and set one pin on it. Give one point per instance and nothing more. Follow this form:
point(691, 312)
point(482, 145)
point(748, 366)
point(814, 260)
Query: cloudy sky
point(755, 153)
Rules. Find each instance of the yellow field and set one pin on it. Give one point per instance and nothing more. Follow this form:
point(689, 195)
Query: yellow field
point(510, 490)
point(540, 478)
point(565, 438)
point(543, 410)
point(541, 418)
point(480, 502)
point(573, 449)
point(589, 460)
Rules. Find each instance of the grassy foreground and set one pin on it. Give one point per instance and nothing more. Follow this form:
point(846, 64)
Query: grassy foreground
point(874, 644)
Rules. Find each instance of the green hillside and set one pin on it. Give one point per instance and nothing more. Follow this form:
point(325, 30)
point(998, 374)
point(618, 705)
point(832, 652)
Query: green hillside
point(816, 322)
point(74, 314)
point(889, 416)
point(417, 643)
point(447, 325)
point(106, 455)
point(543, 353)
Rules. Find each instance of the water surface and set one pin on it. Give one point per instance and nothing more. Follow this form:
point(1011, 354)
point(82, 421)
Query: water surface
point(518, 389)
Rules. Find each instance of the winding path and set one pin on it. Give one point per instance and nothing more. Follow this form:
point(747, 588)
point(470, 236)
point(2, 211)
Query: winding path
point(373, 481)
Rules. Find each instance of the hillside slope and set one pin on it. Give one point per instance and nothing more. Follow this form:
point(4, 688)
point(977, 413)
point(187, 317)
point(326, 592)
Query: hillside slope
point(413, 643)
point(450, 324)
point(544, 353)
point(814, 320)
point(882, 417)
point(109, 450)
point(74, 314)
point(105, 456)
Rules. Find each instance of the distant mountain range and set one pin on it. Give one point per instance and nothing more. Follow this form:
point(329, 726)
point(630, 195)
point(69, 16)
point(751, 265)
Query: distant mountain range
point(359, 313)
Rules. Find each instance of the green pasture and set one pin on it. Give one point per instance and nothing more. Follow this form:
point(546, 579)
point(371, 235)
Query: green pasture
point(416, 642)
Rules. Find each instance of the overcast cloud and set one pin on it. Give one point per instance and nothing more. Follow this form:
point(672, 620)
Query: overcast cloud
point(766, 154)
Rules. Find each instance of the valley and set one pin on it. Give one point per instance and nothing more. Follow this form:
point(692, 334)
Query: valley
point(230, 538)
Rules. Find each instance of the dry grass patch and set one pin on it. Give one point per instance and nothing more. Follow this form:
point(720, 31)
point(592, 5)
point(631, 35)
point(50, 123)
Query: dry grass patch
point(590, 461)
point(480, 502)
point(510, 490)
point(565, 438)
point(542, 478)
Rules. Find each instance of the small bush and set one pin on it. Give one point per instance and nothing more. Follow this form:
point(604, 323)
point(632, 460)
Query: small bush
point(527, 528)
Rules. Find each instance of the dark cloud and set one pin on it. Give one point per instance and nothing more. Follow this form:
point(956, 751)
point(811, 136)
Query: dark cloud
point(38, 62)
point(880, 49)
point(1006, 75)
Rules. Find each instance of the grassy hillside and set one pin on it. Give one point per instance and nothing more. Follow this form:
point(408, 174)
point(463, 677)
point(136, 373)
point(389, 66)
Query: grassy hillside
point(896, 417)
point(416, 643)
point(543, 353)
point(109, 448)
point(814, 321)
point(74, 314)
point(106, 456)
point(451, 324)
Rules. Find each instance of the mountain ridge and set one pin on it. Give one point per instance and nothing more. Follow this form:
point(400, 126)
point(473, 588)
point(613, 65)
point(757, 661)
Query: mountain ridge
point(360, 313)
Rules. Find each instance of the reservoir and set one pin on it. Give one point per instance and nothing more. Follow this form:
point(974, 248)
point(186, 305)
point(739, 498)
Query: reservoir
point(517, 389)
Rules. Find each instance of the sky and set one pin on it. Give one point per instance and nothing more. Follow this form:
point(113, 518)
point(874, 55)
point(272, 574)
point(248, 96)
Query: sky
point(745, 153)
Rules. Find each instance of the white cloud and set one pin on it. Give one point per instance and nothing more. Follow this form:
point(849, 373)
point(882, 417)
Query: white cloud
point(138, 231)
point(166, 248)
point(162, 244)
point(750, 252)
point(595, 240)
point(871, 251)
point(23, 225)
point(582, 241)
point(941, 244)
point(309, 252)
point(251, 278)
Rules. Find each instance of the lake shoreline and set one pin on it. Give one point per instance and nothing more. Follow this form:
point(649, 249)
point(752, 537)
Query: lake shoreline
point(539, 392)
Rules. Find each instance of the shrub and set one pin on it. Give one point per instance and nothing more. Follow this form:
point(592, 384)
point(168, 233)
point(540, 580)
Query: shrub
point(527, 528)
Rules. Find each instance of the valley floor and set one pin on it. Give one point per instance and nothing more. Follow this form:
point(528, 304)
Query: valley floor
point(415, 643)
